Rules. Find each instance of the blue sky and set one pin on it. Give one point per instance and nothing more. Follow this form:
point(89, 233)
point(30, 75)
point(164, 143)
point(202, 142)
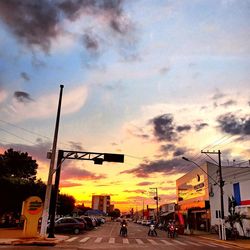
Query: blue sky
point(155, 80)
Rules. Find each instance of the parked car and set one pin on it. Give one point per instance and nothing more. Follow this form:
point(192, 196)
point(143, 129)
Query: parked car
point(69, 225)
point(89, 222)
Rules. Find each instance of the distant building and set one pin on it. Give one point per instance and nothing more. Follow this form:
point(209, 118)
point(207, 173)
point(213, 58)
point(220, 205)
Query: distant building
point(101, 202)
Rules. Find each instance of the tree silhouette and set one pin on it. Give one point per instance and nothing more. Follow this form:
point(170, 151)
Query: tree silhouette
point(18, 181)
point(15, 164)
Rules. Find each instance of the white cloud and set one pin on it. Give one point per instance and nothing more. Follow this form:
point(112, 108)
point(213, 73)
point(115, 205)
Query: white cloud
point(46, 106)
point(3, 95)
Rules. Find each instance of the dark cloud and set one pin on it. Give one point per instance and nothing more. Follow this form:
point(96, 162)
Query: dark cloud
point(90, 42)
point(22, 96)
point(200, 126)
point(168, 167)
point(180, 151)
point(36, 23)
point(32, 21)
point(138, 191)
point(217, 95)
point(228, 103)
point(183, 128)
point(164, 128)
point(145, 183)
point(167, 148)
point(69, 172)
point(231, 124)
point(25, 76)
point(76, 145)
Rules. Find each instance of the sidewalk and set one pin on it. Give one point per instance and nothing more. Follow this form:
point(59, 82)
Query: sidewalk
point(14, 236)
point(242, 243)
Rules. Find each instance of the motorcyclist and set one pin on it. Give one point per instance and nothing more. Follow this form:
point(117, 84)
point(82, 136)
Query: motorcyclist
point(152, 228)
point(171, 228)
point(123, 224)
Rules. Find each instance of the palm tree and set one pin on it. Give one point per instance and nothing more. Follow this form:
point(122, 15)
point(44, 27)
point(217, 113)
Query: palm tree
point(234, 217)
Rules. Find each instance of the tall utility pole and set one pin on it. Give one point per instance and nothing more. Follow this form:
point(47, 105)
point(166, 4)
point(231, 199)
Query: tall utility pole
point(45, 215)
point(221, 182)
point(143, 192)
point(156, 198)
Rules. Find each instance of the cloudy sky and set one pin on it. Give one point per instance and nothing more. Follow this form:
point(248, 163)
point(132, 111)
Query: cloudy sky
point(154, 80)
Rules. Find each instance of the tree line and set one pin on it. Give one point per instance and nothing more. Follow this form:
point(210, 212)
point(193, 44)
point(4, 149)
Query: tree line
point(18, 181)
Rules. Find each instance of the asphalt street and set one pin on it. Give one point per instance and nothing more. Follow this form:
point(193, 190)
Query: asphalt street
point(107, 237)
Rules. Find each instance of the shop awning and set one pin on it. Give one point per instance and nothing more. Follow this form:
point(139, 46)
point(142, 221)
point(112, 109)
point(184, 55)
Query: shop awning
point(166, 213)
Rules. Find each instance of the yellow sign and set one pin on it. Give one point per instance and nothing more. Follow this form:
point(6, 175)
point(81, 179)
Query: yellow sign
point(32, 211)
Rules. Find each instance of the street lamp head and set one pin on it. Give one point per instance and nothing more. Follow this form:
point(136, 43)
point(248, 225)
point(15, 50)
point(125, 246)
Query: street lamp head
point(186, 159)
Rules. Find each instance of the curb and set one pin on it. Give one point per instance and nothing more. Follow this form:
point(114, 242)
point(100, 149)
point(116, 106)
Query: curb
point(36, 242)
point(226, 242)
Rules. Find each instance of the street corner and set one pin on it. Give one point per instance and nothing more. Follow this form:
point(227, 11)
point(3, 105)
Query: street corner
point(37, 241)
point(6, 241)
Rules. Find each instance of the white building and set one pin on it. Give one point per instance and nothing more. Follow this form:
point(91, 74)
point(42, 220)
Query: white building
point(198, 194)
point(101, 202)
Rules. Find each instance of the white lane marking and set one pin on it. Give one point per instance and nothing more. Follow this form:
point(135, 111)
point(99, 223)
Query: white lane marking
point(206, 244)
point(179, 242)
point(167, 243)
point(125, 241)
point(98, 240)
point(72, 239)
point(112, 240)
point(193, 243)
point(85, 239)
point(220, 245)
point(140, 242)
point(152, 242)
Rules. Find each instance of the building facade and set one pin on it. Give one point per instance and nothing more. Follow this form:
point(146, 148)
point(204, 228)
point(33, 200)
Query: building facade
point(199, 196)
point(101, 202)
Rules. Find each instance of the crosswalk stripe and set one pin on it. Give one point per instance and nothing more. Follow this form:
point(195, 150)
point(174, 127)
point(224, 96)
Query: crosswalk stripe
point(152, 242)
point(179, 242)
point(71, 239)
point(207, 244)
point(125, 241)
point(220, 245)
point(140, 242)
point(193, 243)
point(85, 239)
point(112, 240)
point(98, 240)
point(167, 243)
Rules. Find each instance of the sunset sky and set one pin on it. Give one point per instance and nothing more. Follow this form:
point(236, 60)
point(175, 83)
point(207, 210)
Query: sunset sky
point(154, 80)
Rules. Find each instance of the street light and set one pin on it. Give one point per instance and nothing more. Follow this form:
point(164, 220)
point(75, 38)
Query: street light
point(97, 158)
point(156, 198)
point(222, 230)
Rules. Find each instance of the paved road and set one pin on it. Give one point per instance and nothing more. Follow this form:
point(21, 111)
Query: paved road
point(107, 237)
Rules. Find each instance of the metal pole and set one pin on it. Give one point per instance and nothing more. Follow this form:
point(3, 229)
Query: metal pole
point(51, 170)
point(223, 234)
point(157, 210)
point(53, 200)
point(221, 187)
point(143, 208)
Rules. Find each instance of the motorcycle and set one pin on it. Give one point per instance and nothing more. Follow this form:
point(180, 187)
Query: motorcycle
point(124, 230)
point(172, 231)
point(152, 231)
